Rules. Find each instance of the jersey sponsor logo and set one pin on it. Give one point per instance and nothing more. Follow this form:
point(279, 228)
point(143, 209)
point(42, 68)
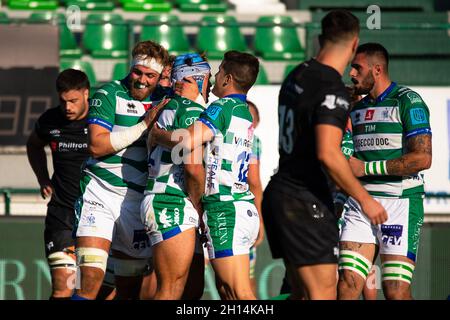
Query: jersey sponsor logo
point(95, 203)
point(95, 103)
point(243, 142)
point(213, 112)
point(140, 239)
point(165, 219)
point(371, 142)
point(222, 228)
point(53, 145)
point(131, 108)
point(71, 146)
point(418, 116)
point(414, 97)
point(88, 220)
point(392, 234)
point(55, 133)
point(190, 120)
point(329, 101)
point(369, 114)
point(332, 101)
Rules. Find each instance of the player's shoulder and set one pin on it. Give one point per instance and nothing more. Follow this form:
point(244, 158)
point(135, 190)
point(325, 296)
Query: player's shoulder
point(51, 115)
point(110, 88)
point(228, 102)
point(408, 96)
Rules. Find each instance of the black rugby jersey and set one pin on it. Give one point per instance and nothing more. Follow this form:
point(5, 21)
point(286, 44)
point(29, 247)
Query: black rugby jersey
point(68, 141)
point(312, 94)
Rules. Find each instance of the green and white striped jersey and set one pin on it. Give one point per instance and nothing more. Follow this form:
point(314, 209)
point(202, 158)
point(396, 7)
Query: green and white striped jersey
point(164, 175)
point(113, 108)
point(227, 155)
point(380, 130)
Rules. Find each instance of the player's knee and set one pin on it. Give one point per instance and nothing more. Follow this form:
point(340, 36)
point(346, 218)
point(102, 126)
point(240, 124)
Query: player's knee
point(397, 277)
point(92, 257)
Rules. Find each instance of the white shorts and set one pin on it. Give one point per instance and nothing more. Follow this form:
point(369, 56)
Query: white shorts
point(399, 235)
point(110, 216)
point(232, 227)
point(165, 216)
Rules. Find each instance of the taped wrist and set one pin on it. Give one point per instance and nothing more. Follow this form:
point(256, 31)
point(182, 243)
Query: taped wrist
point(375, 168)
point(122, 139)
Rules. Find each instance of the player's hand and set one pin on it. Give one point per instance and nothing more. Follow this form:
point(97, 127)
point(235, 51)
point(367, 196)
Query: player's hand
point(374, 211)
point(46, 190)
point(153, 113)
point(357, 166)
point(187, 88)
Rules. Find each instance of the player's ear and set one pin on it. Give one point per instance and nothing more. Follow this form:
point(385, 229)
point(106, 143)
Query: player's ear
point(228, 79)
point(86, 94)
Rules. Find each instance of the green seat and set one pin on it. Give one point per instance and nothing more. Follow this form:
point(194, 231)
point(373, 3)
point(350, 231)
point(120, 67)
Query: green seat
point(262, 76)
point(93, 5)
point(84, 66)
point(146, 5)
point(167, 31)
point(106, 36)
point(68, 47)
point(33, 4)
point(120, 70)
point(361, 5)
point(218, 34)
point(276, 39)
point(201, 5)
point(3, 17)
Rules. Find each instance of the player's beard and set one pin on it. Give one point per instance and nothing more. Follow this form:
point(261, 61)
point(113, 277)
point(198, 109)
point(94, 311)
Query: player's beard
point(366, 84)
point(137, 93)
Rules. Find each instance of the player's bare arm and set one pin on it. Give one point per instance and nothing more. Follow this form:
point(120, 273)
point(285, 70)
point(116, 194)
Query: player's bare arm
point(103, 142)
point(329, 154)
point(417, 158)
point(38, 161)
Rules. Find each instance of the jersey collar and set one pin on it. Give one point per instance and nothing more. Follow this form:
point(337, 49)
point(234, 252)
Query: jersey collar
point(382, 96)
point(239, 96)
point(389, 89)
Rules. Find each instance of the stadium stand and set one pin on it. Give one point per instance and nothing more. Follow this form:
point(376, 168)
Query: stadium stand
point(68, 47)
point(120, 70)
point(166, 30)
point(219, 34)
point(92, 5)
point(201, 5)
point(361, 5)
point(276, 39)
point(106, 36)
point(146, 5)
point(33, 4)
point(80, 65)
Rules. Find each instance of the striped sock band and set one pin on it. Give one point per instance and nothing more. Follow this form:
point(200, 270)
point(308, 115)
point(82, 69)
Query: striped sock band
point(353, 261)
point(375, 168)
point(397, 271)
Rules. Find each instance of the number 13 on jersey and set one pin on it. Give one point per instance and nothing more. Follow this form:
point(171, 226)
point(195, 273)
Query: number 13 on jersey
point(286, 133)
